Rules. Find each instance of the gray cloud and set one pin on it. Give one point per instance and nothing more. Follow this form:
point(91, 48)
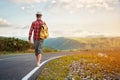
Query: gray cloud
point(4, 23)
point(22, 27)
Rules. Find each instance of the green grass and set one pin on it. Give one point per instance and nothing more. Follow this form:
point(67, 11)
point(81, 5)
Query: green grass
point(13, 53)
point(45, 50)
point(11, 45)
point(90, 66)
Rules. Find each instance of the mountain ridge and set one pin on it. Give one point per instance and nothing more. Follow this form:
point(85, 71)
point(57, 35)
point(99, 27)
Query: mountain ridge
point(103, 43)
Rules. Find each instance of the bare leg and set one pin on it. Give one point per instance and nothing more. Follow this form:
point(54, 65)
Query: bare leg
point(38, 57)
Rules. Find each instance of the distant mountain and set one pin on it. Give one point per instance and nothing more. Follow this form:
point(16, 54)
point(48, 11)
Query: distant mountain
point(62, 43)
point(89, 43)
point(95, 36)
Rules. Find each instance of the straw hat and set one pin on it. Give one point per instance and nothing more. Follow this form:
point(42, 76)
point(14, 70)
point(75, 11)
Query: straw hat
point(39, 13)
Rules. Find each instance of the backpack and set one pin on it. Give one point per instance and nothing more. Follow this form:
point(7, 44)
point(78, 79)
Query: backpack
point(44, 32)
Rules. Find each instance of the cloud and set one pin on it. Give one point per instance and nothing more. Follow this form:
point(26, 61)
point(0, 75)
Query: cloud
point(78, 5)
point(22, 27)
point(28, 1)
point(28, 8)
point(74, 32)
point(4, 22)
point(57, 6)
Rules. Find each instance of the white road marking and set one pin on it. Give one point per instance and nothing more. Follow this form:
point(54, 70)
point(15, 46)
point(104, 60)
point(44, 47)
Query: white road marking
point(36, 68)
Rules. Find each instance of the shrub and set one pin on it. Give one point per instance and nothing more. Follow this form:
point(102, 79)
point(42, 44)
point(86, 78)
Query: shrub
point(13, 44)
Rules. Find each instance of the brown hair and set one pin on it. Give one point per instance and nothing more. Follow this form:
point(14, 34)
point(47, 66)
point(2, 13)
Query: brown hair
point(38, 15)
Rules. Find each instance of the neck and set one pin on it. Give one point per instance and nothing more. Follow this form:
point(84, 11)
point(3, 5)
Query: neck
point(38, 18)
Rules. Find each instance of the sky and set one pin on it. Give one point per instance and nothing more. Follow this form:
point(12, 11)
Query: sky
point(65, 18)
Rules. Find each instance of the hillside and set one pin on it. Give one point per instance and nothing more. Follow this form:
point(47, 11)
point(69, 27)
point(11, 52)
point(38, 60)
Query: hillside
point(83, 43)
point(13, 44)
point(63, 43)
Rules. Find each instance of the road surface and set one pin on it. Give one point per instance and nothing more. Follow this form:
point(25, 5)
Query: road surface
point(15, 67)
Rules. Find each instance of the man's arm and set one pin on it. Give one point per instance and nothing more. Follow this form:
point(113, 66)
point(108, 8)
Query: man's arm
point(30, 33)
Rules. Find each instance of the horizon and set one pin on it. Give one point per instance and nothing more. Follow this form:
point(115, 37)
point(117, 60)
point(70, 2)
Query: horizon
point(65, 18)
point(91, 37)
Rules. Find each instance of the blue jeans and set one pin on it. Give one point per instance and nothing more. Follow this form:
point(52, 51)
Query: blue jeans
point(38, 45)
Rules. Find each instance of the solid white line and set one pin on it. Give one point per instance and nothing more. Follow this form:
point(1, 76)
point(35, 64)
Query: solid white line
point(36, 68)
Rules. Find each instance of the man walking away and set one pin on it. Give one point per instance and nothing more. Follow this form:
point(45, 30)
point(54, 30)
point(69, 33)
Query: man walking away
point(38, 43)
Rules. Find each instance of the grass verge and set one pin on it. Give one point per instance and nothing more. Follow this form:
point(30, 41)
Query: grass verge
point(87, 66)
point(27, 51)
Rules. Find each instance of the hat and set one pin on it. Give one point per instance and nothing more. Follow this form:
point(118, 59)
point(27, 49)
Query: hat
point(39, 13)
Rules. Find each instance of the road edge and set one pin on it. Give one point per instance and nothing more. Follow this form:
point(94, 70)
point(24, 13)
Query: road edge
point(31, 73)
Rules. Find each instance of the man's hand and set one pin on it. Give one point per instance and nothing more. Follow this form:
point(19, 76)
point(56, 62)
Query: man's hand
point(29, 41)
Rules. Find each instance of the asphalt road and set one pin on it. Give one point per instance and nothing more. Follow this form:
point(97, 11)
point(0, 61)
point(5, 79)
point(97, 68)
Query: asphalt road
point(15, 67)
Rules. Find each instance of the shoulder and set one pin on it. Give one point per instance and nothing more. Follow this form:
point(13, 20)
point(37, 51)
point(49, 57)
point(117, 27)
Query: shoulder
point(43, 22)
point(34, 22)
